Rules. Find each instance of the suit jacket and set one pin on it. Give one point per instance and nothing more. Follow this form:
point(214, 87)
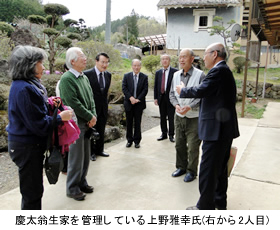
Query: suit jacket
point(100, 98)
point(217, 116)
point(157, 87)
point(128, 89)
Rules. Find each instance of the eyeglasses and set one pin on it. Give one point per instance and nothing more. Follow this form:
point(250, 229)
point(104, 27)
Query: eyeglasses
point(210, 52)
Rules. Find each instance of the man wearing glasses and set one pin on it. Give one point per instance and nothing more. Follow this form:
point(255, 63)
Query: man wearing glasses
point(217, 126)
point(100, 80)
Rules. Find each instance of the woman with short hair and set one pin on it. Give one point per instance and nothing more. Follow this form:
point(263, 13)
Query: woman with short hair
point(29, 122)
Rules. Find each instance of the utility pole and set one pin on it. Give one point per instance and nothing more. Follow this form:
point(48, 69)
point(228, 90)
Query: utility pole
point(108, 23)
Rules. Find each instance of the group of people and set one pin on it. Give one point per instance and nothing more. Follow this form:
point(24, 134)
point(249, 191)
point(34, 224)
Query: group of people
point(205, 111)
point(202, 108)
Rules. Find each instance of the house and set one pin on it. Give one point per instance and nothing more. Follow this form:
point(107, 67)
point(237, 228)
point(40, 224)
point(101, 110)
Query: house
point(188, 23)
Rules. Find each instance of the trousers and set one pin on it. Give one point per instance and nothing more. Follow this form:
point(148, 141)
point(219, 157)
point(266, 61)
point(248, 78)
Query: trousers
point(29, 160)
point(78, 163)
point(187, 144)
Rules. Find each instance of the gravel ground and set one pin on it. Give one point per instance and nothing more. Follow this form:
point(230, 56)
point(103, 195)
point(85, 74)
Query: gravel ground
point(9, 171)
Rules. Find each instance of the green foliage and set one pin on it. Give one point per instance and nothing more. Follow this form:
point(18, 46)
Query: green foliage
point(73, 36)
point(56, 9)
point(239, 63)
point(151, 63)
point(117, 38)
point(150, 27)
point(252, 109)
point(49, 19)
point(37, 19)
point(50, 81)
point(70, 22)
point(6, 28)
point(51, 32)
point(91, 49)
point(222, 31)
point(9, 9)
point(115, 90)
point(59, 64)
point(174, 61)
point(5, 46)
point(63, 41)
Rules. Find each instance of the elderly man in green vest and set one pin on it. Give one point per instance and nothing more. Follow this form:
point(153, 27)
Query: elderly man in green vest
point(75, 91)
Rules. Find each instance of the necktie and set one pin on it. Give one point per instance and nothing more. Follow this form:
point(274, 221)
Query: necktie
point(162, 89)
point(101, 83)
point(135, 86)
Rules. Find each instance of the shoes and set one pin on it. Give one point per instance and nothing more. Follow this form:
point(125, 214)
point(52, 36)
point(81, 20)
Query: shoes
point(162, 137)
point(171, 138)
point(137, 146)
point(87, 189)
point(217, 207)
point(189, 177)
point(128, 144)
point(192, 208)
point(93, 157)
point(178, 172)
point(79, 197)
point(103, 154)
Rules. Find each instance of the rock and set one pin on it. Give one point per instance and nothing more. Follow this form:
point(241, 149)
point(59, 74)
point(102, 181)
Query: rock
point(128, 51)
point(4, 96)
point(111, 133)
point(115, 114)
point(4, 77)
point(3, 133)
point(24, 37)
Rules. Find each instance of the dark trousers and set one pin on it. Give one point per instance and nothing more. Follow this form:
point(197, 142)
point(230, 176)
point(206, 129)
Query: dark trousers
point(97, 146)
point(29, 159)
point(166, 110)
point(213, 178)
point(133, 123)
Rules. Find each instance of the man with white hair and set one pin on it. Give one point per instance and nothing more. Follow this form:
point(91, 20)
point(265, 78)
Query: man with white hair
point(75, 91)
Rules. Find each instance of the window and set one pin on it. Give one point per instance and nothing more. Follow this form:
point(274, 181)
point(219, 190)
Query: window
point(203, 19)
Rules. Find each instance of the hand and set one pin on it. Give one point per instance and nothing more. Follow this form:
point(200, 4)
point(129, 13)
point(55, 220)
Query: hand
point(179, 87)
point(133, 100)
point(92, 122)
point(156, 102)
point(56, 101)
point(185, 109)
point(66, 115)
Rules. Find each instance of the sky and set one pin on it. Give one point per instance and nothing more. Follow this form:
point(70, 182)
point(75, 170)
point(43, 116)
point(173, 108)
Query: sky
point(94, 11)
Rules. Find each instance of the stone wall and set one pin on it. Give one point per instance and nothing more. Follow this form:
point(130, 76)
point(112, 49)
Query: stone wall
point(271, 90)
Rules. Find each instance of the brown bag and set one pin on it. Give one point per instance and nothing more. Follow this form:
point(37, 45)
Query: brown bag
point(231, 160)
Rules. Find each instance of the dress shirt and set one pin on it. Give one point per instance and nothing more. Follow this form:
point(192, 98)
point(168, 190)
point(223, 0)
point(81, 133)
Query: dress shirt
point(98, 73)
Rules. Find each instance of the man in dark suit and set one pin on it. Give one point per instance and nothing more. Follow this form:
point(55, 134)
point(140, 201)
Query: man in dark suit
point(135, 89)
point(217, 126)
point(100, 80)
point(163, 81)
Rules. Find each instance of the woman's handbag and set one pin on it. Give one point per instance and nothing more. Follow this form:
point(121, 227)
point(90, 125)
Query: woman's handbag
point(53, 160)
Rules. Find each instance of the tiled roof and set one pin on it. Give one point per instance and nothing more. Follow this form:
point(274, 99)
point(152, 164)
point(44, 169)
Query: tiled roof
point(196, 3)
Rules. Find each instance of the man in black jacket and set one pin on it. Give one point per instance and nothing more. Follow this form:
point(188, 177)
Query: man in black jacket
point(100, 80)
point(135, 89)
point(163, 80)
point(217, 126)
